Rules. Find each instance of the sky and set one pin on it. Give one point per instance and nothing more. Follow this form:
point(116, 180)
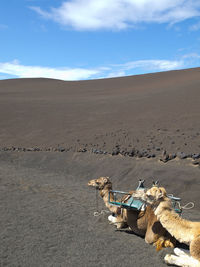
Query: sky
point(92, 39)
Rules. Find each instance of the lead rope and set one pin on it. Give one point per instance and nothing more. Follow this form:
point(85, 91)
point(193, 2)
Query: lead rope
point(185, 207)
point(102, 212)
point(97, 204)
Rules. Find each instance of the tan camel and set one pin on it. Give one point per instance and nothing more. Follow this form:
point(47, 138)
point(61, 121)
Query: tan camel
point(143, 223)
point(184, 231)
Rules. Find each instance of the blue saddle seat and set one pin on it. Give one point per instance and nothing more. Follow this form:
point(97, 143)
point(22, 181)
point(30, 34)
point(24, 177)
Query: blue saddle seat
point(133, 204)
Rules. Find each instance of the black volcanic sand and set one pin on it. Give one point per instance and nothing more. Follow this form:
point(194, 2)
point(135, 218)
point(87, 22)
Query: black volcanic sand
point(46, 206)
point(153, 112)
point(47, 209)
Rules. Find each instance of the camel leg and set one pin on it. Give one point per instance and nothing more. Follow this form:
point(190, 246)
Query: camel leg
point(162, 242)
point(112, 218)
point(175, 260)
point(159, 236)
point(118, 221)
point(150, 236)
point(181, 252)
point(170, 241)
point(159, 244)
point(181, 259)
point(155, 234)
point(195, 248)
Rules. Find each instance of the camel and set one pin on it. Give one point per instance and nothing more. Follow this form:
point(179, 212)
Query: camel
point(184, 231)
point(143, 223)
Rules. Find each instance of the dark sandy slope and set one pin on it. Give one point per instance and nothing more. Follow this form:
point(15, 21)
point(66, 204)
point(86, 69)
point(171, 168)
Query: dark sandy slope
point(145, 111)
point(45, 205)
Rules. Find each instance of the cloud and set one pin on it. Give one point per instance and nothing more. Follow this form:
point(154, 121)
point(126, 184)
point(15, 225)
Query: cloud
point(152, 65)
point(15, 69)
point(119, 14)
point(191, 56)
point(142, 67)
point(195, 27)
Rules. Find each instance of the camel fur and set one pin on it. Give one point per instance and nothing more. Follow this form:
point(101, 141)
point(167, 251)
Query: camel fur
point(143, 223)
point(184, 231)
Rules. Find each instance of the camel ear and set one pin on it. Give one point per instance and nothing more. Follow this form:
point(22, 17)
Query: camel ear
point(106, 179)
point(155, 183)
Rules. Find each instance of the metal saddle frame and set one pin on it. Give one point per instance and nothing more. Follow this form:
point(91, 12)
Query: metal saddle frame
point(136, 204)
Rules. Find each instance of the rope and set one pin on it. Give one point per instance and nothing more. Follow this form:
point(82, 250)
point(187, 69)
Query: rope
point(97, 204)
point(185, 207)
point(102, 212)
point(98, 213)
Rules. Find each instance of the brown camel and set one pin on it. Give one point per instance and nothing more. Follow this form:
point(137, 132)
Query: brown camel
point(184, 231)
point(143, 223)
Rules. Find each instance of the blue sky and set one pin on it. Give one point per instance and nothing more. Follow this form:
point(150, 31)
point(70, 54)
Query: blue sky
point(89, 39)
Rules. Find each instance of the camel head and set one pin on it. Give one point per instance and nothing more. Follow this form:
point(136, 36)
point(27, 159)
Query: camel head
point(152, 196)
point(101, 183)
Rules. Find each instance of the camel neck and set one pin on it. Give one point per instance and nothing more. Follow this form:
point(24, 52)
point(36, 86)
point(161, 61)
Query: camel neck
point(162, 207)
point(104, 193)
point(170, 220)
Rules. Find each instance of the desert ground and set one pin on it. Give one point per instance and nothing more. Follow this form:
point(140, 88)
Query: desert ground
point(55, 136)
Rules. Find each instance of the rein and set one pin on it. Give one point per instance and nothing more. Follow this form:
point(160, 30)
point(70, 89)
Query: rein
point(185, 207)
point(97, 203)
point(97, 212)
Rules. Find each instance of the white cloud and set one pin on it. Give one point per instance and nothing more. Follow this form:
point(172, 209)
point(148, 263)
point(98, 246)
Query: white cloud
point(21, 71)
point(117, 73)
point(152, 65)
point(195, 27)
point(120, 14)
point(191, 56)
point(15, 69)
